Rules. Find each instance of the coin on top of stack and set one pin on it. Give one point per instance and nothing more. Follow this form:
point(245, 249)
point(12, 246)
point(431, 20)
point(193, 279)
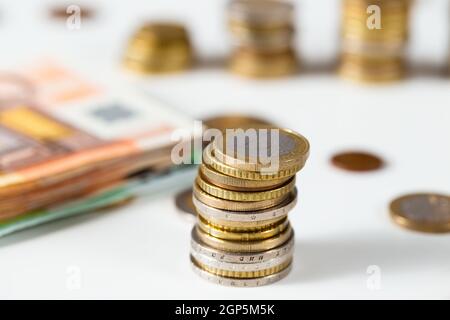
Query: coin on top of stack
point(374, 39)
point(159, 48)
point(243, 236)
point(262, 32)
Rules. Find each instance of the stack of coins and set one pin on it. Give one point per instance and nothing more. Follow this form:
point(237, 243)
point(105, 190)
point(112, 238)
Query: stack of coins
point(375, 34)
point(262, 33)
point(159, 48)
point(243, 236)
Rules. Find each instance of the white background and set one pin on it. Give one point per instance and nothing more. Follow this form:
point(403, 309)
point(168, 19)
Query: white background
point(341, 222)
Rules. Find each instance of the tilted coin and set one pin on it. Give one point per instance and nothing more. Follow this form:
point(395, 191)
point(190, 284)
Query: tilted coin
point(233, 282)
point(247, 196)
point(426, 212)
point(357, 161)
point(233, 183)
point(230, 205)
point(250, 150)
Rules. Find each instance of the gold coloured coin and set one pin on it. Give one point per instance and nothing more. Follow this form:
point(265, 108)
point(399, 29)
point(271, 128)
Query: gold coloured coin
point(425, 212)
point(245, 246)
point(158, 48)
point(246, 196)
point(235, 205)
point(253, 235)
point(238, 226)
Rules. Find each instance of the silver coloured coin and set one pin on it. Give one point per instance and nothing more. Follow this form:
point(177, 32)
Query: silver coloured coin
point(278, 211)
point(236, 282)
point(230, 257)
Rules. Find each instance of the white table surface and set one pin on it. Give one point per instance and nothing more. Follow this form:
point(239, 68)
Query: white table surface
point(341, 222)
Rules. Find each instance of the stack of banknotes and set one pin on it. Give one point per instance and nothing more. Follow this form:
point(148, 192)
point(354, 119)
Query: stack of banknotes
point(68, 146)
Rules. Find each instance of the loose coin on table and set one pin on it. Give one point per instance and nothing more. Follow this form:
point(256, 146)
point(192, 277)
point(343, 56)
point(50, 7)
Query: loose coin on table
point(63, 12)
point(426, 212)
point(357, 161)
point(183, 202)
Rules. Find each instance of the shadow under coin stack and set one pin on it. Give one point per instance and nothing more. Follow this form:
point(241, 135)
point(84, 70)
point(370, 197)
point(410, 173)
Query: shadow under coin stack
point(375, 34)
point(262, 33)
point(243, 237)
point(159, 48)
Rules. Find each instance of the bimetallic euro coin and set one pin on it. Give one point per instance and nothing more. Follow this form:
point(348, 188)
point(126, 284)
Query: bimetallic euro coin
point(240, 257)
point(247, 196)
point(251, 150)
point(245, 282)
point(426, 212)
point(279, 211)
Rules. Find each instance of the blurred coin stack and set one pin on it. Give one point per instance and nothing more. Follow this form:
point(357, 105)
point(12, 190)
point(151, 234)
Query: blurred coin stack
point(375, 34)
point(243, 236)
point(159, 48)
point(262, 33)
